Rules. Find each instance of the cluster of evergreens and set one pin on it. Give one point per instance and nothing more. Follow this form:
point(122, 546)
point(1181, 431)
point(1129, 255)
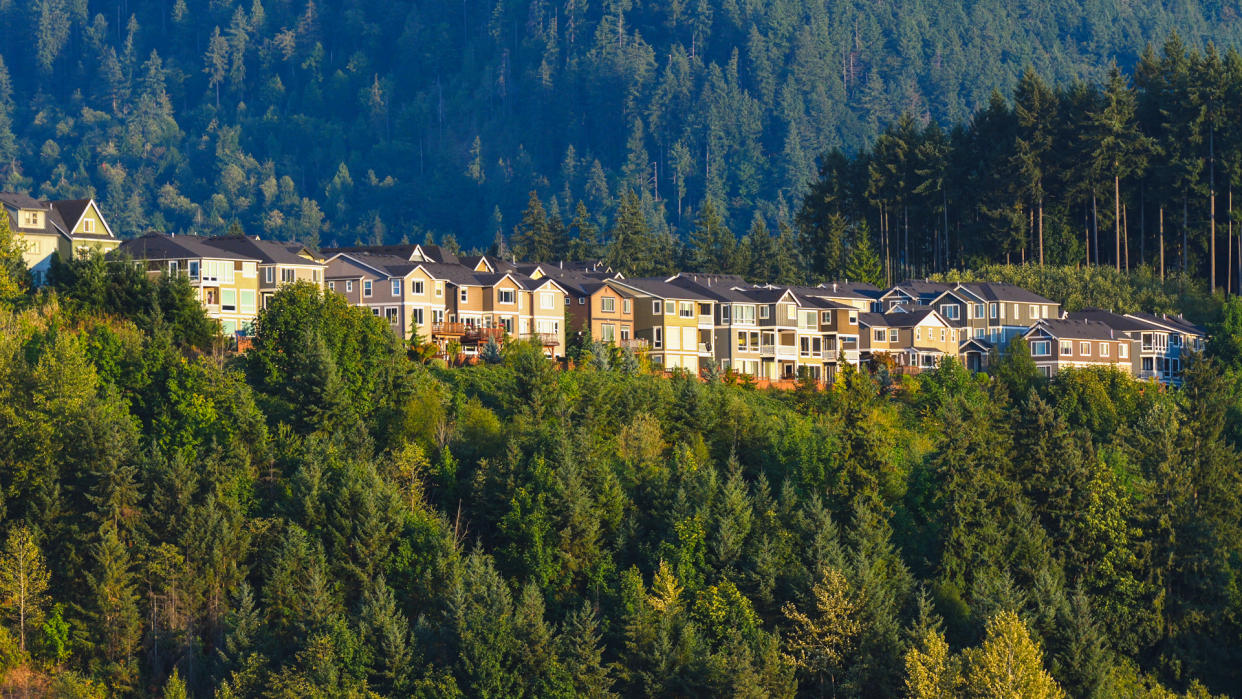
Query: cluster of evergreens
point(323, 516)
point(1130, 172)
point(370, 119)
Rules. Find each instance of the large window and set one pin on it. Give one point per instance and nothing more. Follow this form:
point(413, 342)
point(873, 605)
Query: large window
point(686, 309)
point(744, 314)
point(949, 310)
point(247, 301)
point(1084, 349)
point(1123, 350)
point(609, 332)
point(879, 334)
point(288, 276)
point(608, 304)
point(228, 300)
point(1067, 348)
point(547, 300)
point(506, 296)
point(416, 315)
point(1041, 348)
point(391, 314)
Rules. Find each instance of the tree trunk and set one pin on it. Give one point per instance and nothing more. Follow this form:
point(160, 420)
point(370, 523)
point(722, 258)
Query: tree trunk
point(1041, 231)
point(1162, 243)
point(1117, 218)
point(1095, 229)
point(1125, 233)
point(1185, 226)
point(1212, 209)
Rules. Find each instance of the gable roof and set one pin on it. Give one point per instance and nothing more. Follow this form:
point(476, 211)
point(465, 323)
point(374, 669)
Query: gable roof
point(1168, 322)
point(1073, 329)
point(1115, 321)
point(918, 289)
point(1002, 291)
point(659, 288)
point(161, 246)
point(899, 319)
point(266, 251)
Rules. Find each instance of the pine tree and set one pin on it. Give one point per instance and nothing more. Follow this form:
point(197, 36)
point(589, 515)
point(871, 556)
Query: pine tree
point(1119, 148)
point(863, 264)
point(532, 237)
point(115, 622)
point(385, 631)
point(584, 242)
point(23, 581)
point(581, 653)
point(821, 644)
point(216, 61)
point(712, 245)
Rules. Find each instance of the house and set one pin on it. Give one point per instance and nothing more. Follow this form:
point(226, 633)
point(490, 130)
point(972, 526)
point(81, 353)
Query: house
point(917, 338)
point(64, 227)
point(279, 263)
point(735, 336)
point(676, 321)
point(226, 282)
point(993, 311)
point(859, 295)
point(1056, 344)
point(911, 291)
point(601, 307)
point(411, 252)
point(1159, 342)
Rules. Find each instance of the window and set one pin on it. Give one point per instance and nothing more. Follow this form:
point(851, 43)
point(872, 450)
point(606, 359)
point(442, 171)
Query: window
point(1041, 348)
point(949, 310)
point(825, 317)
point(670, 308)
point(390, 314)
point(918, 333)
point(464, 295)
point(765, 312)
point(439, 289)
point(349, 286)
point(724, 313)
point(228, 300)
point(88, 225)
point(247, 300)
point(892, 335)
point(366, 288)
point(331, 286)
point(396, 288)
point(317, 275)
point(581, 300)
point(625, 333)
point(657, 307)
point(994, 310)
point(269, 275)
point(172, 267)
point(686, 309)
point(625, 306)
point(853, 317)
point(437, 315)
point(1123, 351)
point(506, 296)
point(741, 342)
point(608, 304)
point(1067, 348)
point(416, 287)
point(978, 308)
point(416, 315)
point(288, 276)
point(193, 270)
point(1104, 349)
point(375, 311)
point(806, 320)
point(1014, 317)
point(1084, 349)
point(609, 333)
point(744, 314)
point(1034, 312)
point(879, 334)
point(32, 219)
point(942, 335)
point(658, 338)
point(547, 300)
point(791, 312)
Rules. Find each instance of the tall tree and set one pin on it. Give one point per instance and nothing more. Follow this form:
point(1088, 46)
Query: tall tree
point(24, 581)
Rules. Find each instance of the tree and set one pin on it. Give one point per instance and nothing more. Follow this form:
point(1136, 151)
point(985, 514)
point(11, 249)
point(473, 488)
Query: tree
point(1119, 148)
point(216, 61)
point(863, 264)
point(1009, 663)
point(14, 278)
point(115, 622)
point(532, 237)
point(819, 645)
point(931, 672)
point(23, 581)
point(712, 246)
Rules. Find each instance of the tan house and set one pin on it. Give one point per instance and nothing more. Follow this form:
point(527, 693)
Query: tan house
point(677, 323)
point(601, 307)
point(47, 228)
point(917, 339)
point(993, 311)
point(411, 296)
point(279, 263)
point(226, 282)
point(1057, 344)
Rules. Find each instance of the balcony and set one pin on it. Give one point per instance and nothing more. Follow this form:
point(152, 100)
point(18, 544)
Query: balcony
point(706, 321)
point(476, 334)
point(448, 329)
point(545, 339)
point(632, 344)
point(789, 351)
point(705, 348)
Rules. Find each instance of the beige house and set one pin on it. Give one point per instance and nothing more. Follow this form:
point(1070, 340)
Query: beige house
point(917, 339)
point(279, 263)
point(677, 323)
point(226, 282)
point(47, 228)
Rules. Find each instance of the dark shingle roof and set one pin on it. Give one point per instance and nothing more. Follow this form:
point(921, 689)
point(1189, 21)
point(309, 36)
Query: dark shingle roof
point(161, 246)
point(1168, 321)
point(920, 289)
point(662, 289)
point(1115, 321)
point(1000, 291)
point(266, 251)
point(1077, 329)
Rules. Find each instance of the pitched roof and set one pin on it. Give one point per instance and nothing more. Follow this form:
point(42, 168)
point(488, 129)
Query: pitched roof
point(1115, 321)
point(895, 320)
point(161, 246)
point(266, 251)
point(919, 288)
point(406, 251)
point(849, 289)
point(1001, 291)
point(1170, 322)
point(1075, 329)
point(658, 287)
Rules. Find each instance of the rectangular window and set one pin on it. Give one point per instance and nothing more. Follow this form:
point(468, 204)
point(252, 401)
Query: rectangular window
point(581, 300)
point(172, 267)
point(366, 288)
point(978, 310)
point(228, 300)
point(1084, 349)
point(193, 270)
point(608, 304)
point(791, 312)
point(464, 295)
point(247, 301)
point(439, 289)
point(391, 315)
point(918, 334)
point(741, 342)
point(269, 275)
point(657, 308)
point(879, 334)
point(1067, 348)
point(609, 332)
point(331, 286)
point(670, 308)
point(724, 313)
point(506, 296)
point(396, 288)
point(942, 334)
point(892, 335)
point(416, 315)
point(994, 310)
point(88, 225)
point(657, 338)
point(288, 276)
point(625, 332)
point(416, 287)
point(686, 309)
point(949, 310)
point(547, 301)
point(1034, 312)
point(1104, 349)
point(1041, 348)
point(625, 305)
point(349, 286)
point(744, 314)
point(765, 312)
point(1123, 351)
point(853, 317)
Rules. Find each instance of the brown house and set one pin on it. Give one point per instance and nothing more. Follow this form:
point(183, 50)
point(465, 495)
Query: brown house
point(1058, 344)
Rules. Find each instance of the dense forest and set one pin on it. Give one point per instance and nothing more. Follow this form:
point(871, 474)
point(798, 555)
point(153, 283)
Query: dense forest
point(344, 120)
point(325, 517)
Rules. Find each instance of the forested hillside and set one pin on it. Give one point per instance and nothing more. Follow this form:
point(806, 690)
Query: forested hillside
point(325, 517)
point(340, 120)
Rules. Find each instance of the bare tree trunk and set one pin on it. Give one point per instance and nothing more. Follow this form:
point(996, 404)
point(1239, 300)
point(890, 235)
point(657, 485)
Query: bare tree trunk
point(1212, 208)
point(1041, 231)
point(1095, 229)
point(1162, 243)
point(1125, 233)
point(1185, 226)
point(1117, 218)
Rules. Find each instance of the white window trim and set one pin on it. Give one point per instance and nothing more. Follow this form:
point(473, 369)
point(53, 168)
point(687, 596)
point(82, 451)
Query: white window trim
point(368, 287)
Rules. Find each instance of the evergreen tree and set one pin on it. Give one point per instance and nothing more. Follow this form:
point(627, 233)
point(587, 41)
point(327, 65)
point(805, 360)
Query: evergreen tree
point(712, 246)
point(863, 264)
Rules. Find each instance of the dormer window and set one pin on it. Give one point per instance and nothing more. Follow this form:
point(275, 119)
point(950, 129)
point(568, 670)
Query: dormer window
point(31, 218)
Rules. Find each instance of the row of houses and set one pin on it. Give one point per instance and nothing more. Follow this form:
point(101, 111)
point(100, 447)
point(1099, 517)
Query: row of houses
point(685, 321)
